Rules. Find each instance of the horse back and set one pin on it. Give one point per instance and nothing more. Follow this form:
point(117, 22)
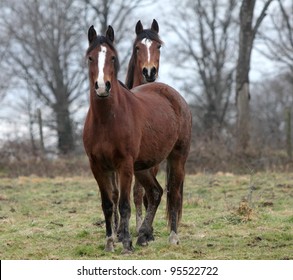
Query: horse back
point(161, 98)
point(167, 120)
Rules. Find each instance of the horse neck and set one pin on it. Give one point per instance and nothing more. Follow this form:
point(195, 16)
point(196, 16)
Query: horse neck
point(103, 110)
point(129, 75)
point(137, 79)
point(133, 77)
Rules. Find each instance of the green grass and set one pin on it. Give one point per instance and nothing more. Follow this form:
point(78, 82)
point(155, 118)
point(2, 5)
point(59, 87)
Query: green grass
point(225, 216)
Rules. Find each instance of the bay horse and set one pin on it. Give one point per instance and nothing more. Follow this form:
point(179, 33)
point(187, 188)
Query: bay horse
point(129, 132)
point(143, 68)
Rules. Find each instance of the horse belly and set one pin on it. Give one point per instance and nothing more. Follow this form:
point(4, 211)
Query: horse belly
point(158, 139)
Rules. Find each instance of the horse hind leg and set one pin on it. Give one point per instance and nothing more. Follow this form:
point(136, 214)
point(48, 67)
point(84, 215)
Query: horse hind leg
point(115, 198)
point(138, 199)
point(154, 193)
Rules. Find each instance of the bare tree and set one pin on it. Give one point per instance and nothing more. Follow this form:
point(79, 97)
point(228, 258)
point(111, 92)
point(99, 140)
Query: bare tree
point(44, 52)
point(45, 55)
point(3, 52)
point(272, 98)
point(247, 34)
point(280, 40)
point(205, 32)
point(280, 50)
point(117, 13)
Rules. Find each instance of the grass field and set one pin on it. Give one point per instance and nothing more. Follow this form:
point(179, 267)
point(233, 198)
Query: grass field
point(225, 216)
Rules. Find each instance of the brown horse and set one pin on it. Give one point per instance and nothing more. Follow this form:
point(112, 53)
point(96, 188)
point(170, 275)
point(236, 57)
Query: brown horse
point(143, 68)
point(123, 133)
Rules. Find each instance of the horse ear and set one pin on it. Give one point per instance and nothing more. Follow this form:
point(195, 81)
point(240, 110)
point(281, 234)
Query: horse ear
point(138, 28)
point(155, 26)
point(92, 34)
point(110, 33)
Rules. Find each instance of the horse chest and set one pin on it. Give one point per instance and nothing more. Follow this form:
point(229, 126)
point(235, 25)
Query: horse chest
point(109, 148)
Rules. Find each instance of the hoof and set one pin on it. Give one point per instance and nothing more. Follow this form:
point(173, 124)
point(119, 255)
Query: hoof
point(141, 241)
point(173, 238)
point(109, 247)
point(126, 251)
point(127, 247)
point(144, 239)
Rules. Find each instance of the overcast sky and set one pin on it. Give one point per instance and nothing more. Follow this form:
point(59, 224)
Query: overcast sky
point(260, 66)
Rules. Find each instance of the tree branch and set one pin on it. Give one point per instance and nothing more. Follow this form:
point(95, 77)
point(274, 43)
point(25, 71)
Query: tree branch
point(261, 17)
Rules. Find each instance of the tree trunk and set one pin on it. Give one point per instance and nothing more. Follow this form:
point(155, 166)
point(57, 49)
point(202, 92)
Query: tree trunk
point(242, 74)
point(246, 38)
point(64, 129)
point(31, 131)
point(288, 132)
point(243, 120)
point(40, 123)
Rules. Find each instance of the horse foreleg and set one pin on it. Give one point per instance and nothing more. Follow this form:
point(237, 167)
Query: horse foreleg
point(104, 182)
point(154, 193)
point(125, 179)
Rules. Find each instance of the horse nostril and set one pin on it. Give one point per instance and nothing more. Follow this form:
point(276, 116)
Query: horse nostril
point(153, 71)
point(108, 86)
point(145, 72)
point(96, 85)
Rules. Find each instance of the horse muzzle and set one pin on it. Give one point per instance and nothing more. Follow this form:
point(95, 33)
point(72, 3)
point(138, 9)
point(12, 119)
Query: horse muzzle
point(103, 90)
point(150, 74)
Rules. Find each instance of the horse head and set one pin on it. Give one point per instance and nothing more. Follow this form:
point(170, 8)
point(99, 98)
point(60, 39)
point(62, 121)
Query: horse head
point(145, 58)
point(103, 62)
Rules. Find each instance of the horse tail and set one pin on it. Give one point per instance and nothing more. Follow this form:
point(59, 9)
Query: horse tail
point(173, 201)
point(168, 210)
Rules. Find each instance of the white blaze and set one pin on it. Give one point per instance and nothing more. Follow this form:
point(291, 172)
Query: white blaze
point(102, 59)
point(147, 43)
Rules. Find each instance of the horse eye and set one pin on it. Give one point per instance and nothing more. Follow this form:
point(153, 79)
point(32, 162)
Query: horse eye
point(113, 58)
point(159, 46)
point(137, 48)
point(90, 59)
